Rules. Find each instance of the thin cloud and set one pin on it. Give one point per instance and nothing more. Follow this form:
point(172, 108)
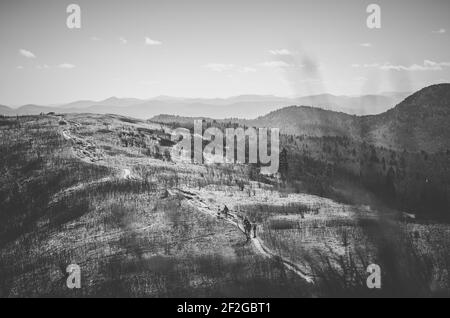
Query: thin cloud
point(283, 52)
point(366, 44)
point(219, 67)
point(19, 67)
point(66, 66)
point(94, 38)
point(371, 65)
point(149, 41)
point(247, 70)
point(41, 67)
point(426, 66)
point(275, 64)
point(123, 40)
point(27, 54)
point(440, 31)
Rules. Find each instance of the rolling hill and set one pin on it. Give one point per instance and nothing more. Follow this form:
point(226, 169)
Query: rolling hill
point(5, 110)
point(303, 120)
point(418, 123)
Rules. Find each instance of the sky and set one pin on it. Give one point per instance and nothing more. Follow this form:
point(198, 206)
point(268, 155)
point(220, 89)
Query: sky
point(218, 48)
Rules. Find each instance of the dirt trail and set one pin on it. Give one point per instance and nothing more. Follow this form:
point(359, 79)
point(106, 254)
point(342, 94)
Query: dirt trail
point(83, 148)
point(87, 145)
point(125, 174)
point(76, 188)
point(233, 219)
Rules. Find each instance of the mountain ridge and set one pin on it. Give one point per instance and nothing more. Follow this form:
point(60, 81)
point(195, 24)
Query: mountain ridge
point(242, 106)
point(418, 123)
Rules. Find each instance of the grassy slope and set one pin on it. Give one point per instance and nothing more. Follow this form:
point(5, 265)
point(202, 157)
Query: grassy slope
point(127, 236)
point(132, 239)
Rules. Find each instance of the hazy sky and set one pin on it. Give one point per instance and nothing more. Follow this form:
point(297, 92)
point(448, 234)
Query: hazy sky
point(212, 48)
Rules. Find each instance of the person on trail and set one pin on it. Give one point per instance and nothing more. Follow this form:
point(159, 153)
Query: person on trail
point(225, 211)
point(254, 230)
point(247, 228)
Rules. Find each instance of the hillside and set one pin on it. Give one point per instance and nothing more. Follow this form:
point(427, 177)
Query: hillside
point(103, 192)
point(5, 111)
point(420, 122)
point(309, 121)
point(401, 156)
point(292, 120)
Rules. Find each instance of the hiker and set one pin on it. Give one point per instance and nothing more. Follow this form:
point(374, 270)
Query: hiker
point(225, 211)
point(247, 228)
point(254, 230)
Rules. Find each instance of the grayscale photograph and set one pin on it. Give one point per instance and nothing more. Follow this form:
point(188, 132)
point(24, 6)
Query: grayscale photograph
point(242, 150)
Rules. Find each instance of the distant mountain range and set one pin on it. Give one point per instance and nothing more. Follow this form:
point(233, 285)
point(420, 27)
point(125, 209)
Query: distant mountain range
point(420, 122)
point(244, 106)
